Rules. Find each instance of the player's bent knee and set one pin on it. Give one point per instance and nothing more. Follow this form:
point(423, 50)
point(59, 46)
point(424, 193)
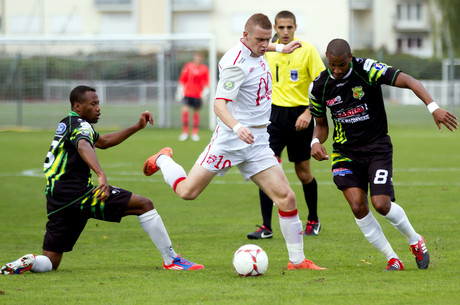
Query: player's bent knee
point(189, 195)
point(287, 202)
point(382, 204)
point(186, 193)
point(143, 204)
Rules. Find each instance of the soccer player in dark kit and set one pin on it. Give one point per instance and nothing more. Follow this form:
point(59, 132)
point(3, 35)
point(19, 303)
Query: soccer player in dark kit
point(72, 198)
point(362, 150)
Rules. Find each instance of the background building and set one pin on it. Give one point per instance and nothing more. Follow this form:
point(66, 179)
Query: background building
point(132, 51)
point(395, 25)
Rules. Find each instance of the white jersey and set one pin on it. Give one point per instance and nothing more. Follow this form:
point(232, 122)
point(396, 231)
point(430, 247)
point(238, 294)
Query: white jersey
point(246, 82)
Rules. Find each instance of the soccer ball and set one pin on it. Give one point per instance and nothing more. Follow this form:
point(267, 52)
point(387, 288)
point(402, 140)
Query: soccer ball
point(250, 260)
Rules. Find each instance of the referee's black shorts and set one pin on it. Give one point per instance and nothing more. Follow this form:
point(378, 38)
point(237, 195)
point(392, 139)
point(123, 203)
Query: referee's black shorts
point(284, 135)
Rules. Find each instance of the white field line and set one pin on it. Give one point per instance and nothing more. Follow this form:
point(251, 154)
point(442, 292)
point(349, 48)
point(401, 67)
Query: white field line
point(136, 176)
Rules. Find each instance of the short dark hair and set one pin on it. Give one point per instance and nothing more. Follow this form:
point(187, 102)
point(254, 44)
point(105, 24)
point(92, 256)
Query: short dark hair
point(258, 19)
point(78, 94)
point(285, 15)
point(338, 47)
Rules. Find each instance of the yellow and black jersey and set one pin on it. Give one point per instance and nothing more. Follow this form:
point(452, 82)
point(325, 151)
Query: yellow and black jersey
point(355, 102)
point(66, 172)
point(292, 74)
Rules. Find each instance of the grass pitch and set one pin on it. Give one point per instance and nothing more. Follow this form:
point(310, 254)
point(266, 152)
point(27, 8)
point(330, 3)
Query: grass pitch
point(118, 264)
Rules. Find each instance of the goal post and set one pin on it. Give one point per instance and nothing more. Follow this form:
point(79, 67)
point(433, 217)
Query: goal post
point(130, 74)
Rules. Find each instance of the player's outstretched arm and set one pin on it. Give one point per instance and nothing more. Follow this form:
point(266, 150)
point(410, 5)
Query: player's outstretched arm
point(115, 138)
point(284, 48)
point(444, 117)
point(440, 116)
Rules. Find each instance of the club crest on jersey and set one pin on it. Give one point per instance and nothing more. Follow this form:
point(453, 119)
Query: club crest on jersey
point(294, 75)
point(358, 92)
point(228, 85)
point(61, 128)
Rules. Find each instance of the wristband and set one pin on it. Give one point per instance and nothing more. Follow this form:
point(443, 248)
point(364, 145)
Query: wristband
point(432, 107)
point(314, 141)
point(279, 48)
point(236, 127)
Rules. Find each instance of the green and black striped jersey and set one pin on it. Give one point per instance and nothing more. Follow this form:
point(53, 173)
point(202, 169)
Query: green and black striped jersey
point(67, 174)
point(355, 102)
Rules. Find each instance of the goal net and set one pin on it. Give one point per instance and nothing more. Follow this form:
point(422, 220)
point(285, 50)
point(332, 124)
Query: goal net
point(130, 75)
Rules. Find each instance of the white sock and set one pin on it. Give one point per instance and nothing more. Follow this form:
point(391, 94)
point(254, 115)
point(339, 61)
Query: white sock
point(397, 217)
point(170, 169)
point(291, 228)
point(42, 264)
point(153, 225)
point(374, 234)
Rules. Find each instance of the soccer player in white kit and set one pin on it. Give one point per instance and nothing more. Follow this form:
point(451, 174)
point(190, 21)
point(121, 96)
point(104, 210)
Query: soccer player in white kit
point(242, 105)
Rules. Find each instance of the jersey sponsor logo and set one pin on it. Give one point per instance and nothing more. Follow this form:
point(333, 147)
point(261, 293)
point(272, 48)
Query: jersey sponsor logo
point(341, 171)
point(228, 85)
point(86, 129)
point(353, 119)
point(335, 101)
point(294, 75)
point(341, 84)
point(352, 112)
point(85, 125)
point(358, 92)
point(368, 64)
point(380, 67)
point(61, 128)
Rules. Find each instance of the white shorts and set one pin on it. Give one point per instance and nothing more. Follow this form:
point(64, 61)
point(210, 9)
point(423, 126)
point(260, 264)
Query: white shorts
point(226, 150)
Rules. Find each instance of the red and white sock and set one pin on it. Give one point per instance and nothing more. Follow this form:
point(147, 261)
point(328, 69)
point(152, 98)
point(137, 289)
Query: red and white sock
point(291, 228)
point(172, 172)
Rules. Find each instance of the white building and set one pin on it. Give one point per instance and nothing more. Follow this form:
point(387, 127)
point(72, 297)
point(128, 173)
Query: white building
point(395, 25)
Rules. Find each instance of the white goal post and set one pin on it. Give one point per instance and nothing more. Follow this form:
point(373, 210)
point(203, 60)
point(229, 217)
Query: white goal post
point(129, 73)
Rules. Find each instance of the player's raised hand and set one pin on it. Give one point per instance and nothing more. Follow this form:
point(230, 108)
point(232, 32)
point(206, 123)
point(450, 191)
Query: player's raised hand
point(146, 117)
point(442, 116)
point(290, 47)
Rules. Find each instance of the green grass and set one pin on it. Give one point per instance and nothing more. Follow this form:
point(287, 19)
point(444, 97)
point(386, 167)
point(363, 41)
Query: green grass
point(118, 264)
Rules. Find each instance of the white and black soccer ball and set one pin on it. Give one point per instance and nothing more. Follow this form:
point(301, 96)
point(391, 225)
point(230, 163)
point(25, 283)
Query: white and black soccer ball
point(250, 260)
